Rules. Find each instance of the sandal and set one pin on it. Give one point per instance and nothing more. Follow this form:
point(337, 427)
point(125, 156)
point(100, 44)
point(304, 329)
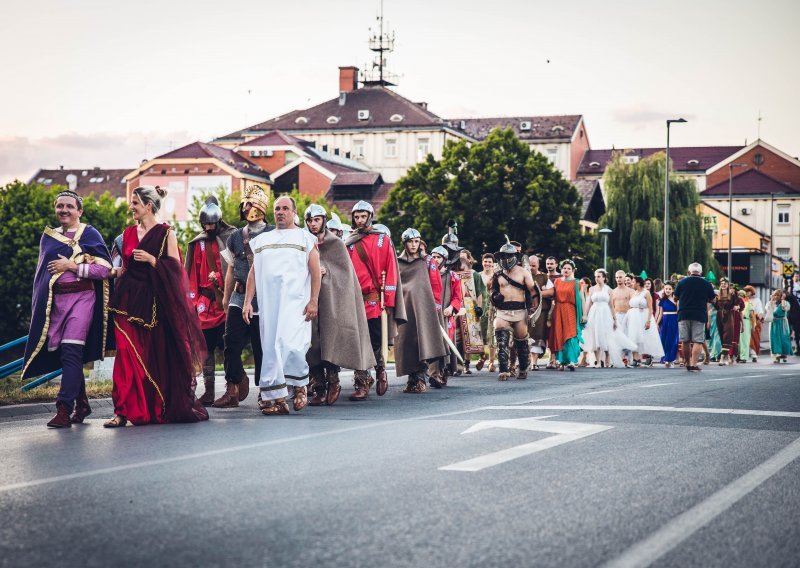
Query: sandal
point(479, 365)
point(116, 422)
point(300, 399)
point(280, 407)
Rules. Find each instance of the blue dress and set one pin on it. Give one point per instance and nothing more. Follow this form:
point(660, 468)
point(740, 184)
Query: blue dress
point(669, 329)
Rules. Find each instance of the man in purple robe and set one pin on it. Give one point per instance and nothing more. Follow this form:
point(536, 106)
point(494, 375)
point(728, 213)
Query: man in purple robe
point(68, 320)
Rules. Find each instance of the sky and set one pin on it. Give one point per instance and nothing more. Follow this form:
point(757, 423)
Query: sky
point(107, 83)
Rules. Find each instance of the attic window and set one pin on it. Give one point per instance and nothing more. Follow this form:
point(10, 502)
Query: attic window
point(396, 118)
point(332, 119)
point(557, 128)
point(301, 120)
point(692, 162)
point(594, 164)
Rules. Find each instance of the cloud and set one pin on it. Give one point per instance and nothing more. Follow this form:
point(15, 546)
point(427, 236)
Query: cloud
point(21, 157)
point(642, 115)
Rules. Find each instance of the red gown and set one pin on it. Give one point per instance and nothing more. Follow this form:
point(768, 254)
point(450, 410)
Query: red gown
point(201, 288)
point(160, 347)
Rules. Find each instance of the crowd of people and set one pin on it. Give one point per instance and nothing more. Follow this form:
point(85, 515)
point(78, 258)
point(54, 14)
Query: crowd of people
point(313, 299)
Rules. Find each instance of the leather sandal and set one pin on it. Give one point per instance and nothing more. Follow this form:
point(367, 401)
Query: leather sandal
point(116, 422)
point(300, 399)
point(278, 408)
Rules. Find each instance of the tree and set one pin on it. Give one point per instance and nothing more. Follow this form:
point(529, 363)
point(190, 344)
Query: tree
point(229, 203)
point(493, 188)
point(635, 213)
point(25, 210)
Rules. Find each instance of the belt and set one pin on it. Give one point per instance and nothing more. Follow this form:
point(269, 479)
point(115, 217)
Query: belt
point(512, 306)
point(374, 297)
point(72, 287)
point(669, 313)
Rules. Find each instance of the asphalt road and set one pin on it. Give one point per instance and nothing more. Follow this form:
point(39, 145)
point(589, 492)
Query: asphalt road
point(619, 467)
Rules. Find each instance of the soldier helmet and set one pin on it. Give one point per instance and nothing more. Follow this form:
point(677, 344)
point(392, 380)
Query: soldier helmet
point(315, 210)
point(362, 206)
point(334, 224)
point(210, 213)
point(409, 234)
point(256, 196)
point(383, 229)
point(507, 256)
point(441, 251)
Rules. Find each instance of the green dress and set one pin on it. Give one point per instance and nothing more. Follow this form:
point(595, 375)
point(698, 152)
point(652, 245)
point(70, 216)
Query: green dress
point(747, 328)
point(779, 341)
point(714, 341)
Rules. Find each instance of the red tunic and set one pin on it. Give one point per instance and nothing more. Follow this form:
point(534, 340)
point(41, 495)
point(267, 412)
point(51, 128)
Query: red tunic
point(380, 258)
point(436, 281)
point(209, 311)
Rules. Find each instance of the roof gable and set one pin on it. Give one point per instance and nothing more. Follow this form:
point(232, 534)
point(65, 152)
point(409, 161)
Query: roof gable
point(751, 182)
point(203, 150)
point(745, 149)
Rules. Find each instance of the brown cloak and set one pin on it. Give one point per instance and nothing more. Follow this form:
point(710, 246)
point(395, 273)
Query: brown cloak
point(420, 339)
point(339, 334)
point(538, 330)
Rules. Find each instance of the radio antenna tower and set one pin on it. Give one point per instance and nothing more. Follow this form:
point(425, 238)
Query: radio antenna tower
point(380, 43)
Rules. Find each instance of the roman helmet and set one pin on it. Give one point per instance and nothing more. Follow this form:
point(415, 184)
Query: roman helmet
point(383, 229)
point(450, 244)
point(255, 196)
point(441, 251)
point(507, 256)
point(210, 214)
point(409, 234)
point(315, 210)
point(334, 223)
point(362, 206)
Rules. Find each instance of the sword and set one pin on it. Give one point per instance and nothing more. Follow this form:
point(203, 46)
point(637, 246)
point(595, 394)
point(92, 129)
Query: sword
point(384, 321)
point(450, 344)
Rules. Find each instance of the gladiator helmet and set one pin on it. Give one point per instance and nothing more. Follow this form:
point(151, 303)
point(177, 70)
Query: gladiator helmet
point(409, 234)
point(450, 244)
point(362, 206)
point(255, 196)
point(210, 213)
point(507, 256)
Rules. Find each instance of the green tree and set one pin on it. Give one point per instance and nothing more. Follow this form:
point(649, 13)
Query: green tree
point(229, 203)
point(635, 213)
point(493, 188)
point(25, 210)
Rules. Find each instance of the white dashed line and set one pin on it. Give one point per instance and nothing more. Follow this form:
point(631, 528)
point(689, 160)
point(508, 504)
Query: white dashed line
point(658, 385)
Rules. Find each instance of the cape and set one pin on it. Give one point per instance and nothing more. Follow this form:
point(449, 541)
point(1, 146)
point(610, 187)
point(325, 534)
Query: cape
point(339, 334)
point(86, 246)
point(225, 257)
point(420, 339)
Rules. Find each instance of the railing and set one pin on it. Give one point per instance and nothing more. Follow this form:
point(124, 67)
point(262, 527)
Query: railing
point(15, 366)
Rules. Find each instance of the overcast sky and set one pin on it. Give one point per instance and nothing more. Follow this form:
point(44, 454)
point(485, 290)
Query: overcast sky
point(107, 83)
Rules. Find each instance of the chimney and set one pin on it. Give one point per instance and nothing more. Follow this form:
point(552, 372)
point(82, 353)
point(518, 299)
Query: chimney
point(348, 79)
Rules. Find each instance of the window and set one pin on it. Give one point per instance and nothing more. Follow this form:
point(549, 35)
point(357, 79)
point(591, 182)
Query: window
point(358, 149)
point(783, 214)
point(552, 155)
point(423, 148)
point(390, 148)
point(782, 252)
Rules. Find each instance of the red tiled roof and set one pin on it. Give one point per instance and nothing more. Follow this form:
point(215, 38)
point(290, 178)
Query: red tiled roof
point(380, 197)
point(356, 178)
point(542, 127)
point(594, 161)
point(200, 150)
point(381, 103)
point(90, 180)
point(751, 182)
point(277, 138)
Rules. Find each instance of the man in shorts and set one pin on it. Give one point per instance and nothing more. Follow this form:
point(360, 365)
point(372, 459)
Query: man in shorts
point(693, 294)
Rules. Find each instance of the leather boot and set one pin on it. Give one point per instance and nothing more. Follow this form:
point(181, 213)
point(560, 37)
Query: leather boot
point(61, 419)
point(435, 379)
point(361, 384)
point(481, 362)
point(244, 388)
point(416, 384)
point(382, 381)
point(502, 337)
point(334, 387)
point(82, 408)
point(230, 399)
point(524, 356)
point(208, 397)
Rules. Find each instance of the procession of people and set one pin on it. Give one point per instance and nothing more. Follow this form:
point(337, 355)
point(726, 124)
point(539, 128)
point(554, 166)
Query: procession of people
point(312, 300)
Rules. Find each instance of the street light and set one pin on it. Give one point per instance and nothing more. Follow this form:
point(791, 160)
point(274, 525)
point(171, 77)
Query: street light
point(666, 203)
point(605, 233)
point(730, 214)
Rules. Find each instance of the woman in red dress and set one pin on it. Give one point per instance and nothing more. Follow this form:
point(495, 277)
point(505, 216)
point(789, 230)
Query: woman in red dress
point(160, 346)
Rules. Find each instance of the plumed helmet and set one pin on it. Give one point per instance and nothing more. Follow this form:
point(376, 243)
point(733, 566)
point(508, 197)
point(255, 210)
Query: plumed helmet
point(450, 243)
point(315, 210)
point(255, 195)
point(441, 251)
point(383, 229)
point(507, 256)
point(210, 213)
point(409, 234)
point(334, 224)
point(507, 248)
point(362, 206)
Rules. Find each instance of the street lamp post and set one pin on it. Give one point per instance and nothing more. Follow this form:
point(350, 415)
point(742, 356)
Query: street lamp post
point(666, 203)
point(605, 233)
point(730, 215)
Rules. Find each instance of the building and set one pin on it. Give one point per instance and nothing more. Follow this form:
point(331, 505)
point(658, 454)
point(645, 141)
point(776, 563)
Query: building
point(195, 170)
point(593, 206)
point(87, 181)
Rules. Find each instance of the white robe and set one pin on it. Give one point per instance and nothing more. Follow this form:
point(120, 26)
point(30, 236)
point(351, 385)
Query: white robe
point(283, 288)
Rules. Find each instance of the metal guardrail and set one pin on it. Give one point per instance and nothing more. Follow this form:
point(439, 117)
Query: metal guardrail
point(15, 366)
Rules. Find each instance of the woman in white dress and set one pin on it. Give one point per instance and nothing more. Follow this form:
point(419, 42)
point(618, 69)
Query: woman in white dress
point(640, 325)
point(602, 336)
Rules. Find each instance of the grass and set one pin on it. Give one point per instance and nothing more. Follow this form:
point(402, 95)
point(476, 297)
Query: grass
point(10, 392)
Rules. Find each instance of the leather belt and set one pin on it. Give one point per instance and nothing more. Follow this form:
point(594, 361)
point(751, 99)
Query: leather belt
point(72, 287)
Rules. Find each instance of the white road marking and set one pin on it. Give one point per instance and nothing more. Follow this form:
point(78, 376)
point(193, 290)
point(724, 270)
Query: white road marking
point(566, 432)
point(601, 392)
point(665, 539)
point(658, 385)
point(740, 411)
point(754, 376)
point(728, 379)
